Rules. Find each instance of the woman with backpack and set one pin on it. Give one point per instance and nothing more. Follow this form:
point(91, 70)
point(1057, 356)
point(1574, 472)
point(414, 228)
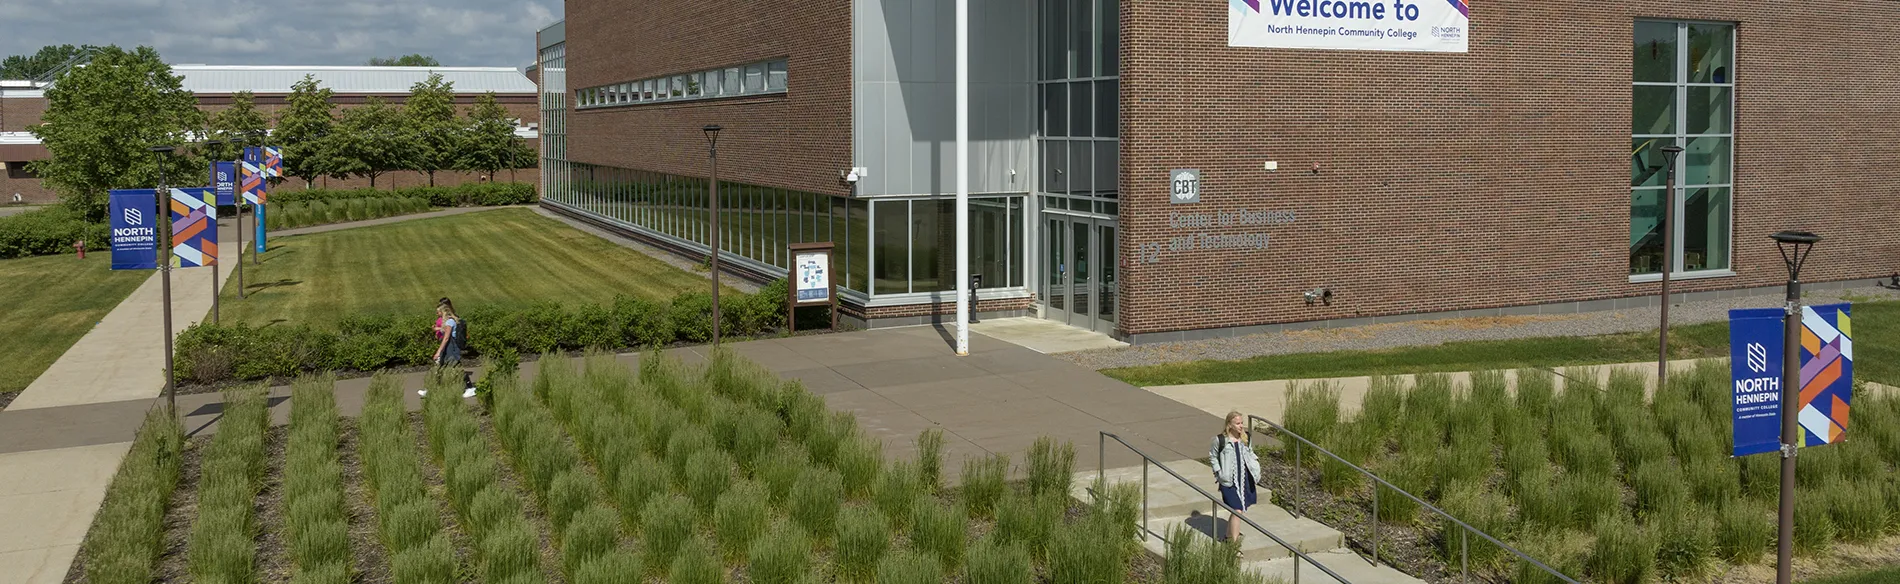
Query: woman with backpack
point(451, 333)
point(1236, 468)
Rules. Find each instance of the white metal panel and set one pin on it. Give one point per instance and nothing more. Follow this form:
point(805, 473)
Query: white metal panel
point(212, 79)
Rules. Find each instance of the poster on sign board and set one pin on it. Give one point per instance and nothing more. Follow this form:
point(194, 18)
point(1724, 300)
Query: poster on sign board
point(1369, 25)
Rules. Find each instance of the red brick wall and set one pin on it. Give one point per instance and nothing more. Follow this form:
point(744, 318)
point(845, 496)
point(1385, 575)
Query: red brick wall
point(1493, 178)
point(798, 140)
point(19, 113)
point(31, 190)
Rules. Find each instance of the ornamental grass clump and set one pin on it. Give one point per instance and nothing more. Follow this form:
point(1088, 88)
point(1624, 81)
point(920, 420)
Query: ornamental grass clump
point(863, 537)
point(1539, 503)
point(1196, 559)
point(815, 500)
point(757, 432)
point(708, 473)
point(1685, 543)
point(1561, 550)
point(897, 489)
point(432, 562)
point(1624, 553)
point(1713, 482)
point(316, 527)
point(1354, 445)
point(1094, 550)
point(591, 533)
point(1411, 472)
point(641, 479)
point(740, 518)
point(1587, 496)
point(1383, 405)
point(1480, 508)
point(930, 459)
point(1814, 527)
point(687, 441)
point(1858, 508)
point(695, 564)
point(1312, 410)
point(783, 556)
point(939, 529)
point(614, 567)
point(780, 471)
point(984, 481)
point(1743, 532)
point(669, 521)
point(1051, 466)
point(995, 562)
point(509, 550)
point(572, 491)
point(859, 460)
point(1659, 487)
point(1030, 521)
point(910, 567)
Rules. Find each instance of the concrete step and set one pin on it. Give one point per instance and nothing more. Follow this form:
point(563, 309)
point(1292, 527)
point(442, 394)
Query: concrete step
point(1348, 565)
point(1167, 496)
point(1307, 535)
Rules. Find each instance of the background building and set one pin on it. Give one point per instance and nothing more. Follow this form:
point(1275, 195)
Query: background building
point(23, 102)
point(1522, 175)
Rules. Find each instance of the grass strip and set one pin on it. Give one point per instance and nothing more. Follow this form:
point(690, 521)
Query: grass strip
point(555, 474)
point(223, 544)
point(128, 532)
point(317, 529)
point(505, 540)
point(411, 529)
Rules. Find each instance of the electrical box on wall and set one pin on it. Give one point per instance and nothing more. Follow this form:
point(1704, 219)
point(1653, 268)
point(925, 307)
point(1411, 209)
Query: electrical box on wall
point(1273, 165)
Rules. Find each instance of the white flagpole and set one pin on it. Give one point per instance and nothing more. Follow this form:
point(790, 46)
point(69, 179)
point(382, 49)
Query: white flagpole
point(963, 177)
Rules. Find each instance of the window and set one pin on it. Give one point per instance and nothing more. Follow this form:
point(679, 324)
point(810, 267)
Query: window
point(754, 78)
point(759, 77)
point(775, 76)
point(1682, 94)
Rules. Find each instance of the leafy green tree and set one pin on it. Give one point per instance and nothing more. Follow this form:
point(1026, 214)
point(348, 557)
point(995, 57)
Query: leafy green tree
point(370, 140)
point(102, 119)
point(40, 63)
point(429, 114)
point(414, 60)
point(489, 144)
point(238, 127)
point(302, 129)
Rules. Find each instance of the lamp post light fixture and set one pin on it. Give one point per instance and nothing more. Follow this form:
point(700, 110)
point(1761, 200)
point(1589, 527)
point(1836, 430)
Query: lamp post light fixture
point(712, 146)
point(1795, 247)
point(159, 154)
point(211, 147)
point(1668, 261)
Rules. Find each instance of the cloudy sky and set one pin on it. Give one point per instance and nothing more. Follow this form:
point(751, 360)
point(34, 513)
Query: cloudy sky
point(286, 32)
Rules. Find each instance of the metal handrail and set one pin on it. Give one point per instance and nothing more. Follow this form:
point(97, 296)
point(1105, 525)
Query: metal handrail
point(1101, 471)
point(1464, 541)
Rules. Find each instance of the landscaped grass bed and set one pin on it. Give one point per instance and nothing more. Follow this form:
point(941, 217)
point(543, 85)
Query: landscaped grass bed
point(52, 301)
point(1876, 342)
point(598, 473)
point(1598, 482)
point(505, 257)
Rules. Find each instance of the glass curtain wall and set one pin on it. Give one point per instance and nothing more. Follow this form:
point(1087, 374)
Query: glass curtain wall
point(1683, 94)
point(1079, 74)
point(916, 243)
point(554, 170)
point(756, 222)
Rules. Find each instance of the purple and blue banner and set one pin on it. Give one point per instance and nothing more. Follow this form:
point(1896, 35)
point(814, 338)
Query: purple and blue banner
point(273, 162)
point(1368, 25)
point(1827, 374)
point(224, 180)
point(133, 221)
point(1755, 358)
point(194, 227)
point(251, 175)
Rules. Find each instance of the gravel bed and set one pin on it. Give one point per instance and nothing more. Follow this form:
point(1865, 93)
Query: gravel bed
point(1434, 332)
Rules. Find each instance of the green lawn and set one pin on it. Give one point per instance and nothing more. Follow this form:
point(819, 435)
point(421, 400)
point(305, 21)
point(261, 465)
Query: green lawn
point(52, 301)
point(1879, 576)
point(504, 256)
point(1876, 333)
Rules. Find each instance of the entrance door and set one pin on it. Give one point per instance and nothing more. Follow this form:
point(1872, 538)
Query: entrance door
point(1079, 271)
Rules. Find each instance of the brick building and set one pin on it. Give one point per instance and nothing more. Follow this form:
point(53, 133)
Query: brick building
point(22, 104)
point(1341, 165)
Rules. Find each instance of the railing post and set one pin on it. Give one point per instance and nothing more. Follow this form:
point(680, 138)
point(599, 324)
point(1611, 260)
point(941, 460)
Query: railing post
point(1299, 479)
point(1464, 559)
point(1144, 499)
point(1101, 459)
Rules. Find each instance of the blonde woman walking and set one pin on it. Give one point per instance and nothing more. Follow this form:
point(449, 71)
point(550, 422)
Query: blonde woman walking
point(1236, 468)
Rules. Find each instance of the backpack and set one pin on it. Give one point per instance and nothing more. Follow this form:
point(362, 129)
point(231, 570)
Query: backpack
point(459, 336)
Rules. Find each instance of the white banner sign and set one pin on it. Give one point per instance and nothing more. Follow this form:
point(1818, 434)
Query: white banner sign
point(1371, 25)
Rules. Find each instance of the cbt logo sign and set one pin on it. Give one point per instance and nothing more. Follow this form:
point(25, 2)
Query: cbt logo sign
point(1185, 186)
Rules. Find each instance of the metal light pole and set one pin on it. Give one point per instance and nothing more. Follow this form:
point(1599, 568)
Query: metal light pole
point(163, 218)
point(1791, 244)
point(212, 145)
point(963, 177)
point(1668, 263)
point(712, 145)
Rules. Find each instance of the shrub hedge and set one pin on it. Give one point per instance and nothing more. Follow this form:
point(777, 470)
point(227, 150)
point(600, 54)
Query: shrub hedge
point(48, 231)
point(212, 353)
point(470, 195)
point(290, 215)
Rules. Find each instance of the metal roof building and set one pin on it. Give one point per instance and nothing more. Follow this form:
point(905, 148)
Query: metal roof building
point(359, 80)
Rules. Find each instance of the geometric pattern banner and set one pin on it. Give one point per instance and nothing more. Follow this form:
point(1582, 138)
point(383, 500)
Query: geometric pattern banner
point(251, 175)
point(1827, 374)
point(194, 227)
point(273, 161)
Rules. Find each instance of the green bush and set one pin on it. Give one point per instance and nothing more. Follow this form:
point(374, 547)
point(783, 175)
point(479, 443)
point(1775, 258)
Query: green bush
point(690, 314)
point(897, 490)
point(642, 322)
point(1624, 553)
point(668, 522)
point(863, 537)
point(49, 231)
point(781, 557)
point(940, 530)
point(995, 562)
point(470, 194)
point(695, 564)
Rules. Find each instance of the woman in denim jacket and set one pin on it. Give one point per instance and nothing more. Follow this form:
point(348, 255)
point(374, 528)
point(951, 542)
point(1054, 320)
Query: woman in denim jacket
point(1236, 468)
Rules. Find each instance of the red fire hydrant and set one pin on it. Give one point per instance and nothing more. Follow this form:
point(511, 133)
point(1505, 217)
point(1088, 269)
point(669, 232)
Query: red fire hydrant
point(80, 246)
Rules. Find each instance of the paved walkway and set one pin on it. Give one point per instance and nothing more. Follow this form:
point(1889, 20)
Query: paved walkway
point(1044, 336)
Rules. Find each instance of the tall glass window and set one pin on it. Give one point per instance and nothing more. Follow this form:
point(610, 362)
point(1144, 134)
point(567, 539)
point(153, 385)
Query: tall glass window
point(1080, 98)
point(1683, 94)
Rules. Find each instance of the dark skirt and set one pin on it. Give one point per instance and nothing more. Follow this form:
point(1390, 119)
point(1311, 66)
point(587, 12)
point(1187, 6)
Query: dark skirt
point(1242, 495)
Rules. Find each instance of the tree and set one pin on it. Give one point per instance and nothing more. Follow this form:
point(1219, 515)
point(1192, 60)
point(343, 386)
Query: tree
point(430, 117)
point(302, 129)
point(238, 127)
point(416, 60)
point(370, 141)
point(489, 144)
point(40, 63)
point(102, 119)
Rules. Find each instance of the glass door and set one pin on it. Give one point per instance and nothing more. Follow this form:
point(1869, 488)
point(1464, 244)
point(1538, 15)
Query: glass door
point(1079, 271)
point(1104, 321)
point(1056, 267)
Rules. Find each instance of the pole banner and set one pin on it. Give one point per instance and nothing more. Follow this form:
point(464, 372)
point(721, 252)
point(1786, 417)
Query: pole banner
point(224, 179)
point(1371, 25)
point(258, 217)
point(134, 229)
point(1827, 374)
point(194, 227)
point(273, 162)
point(1755, 358)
